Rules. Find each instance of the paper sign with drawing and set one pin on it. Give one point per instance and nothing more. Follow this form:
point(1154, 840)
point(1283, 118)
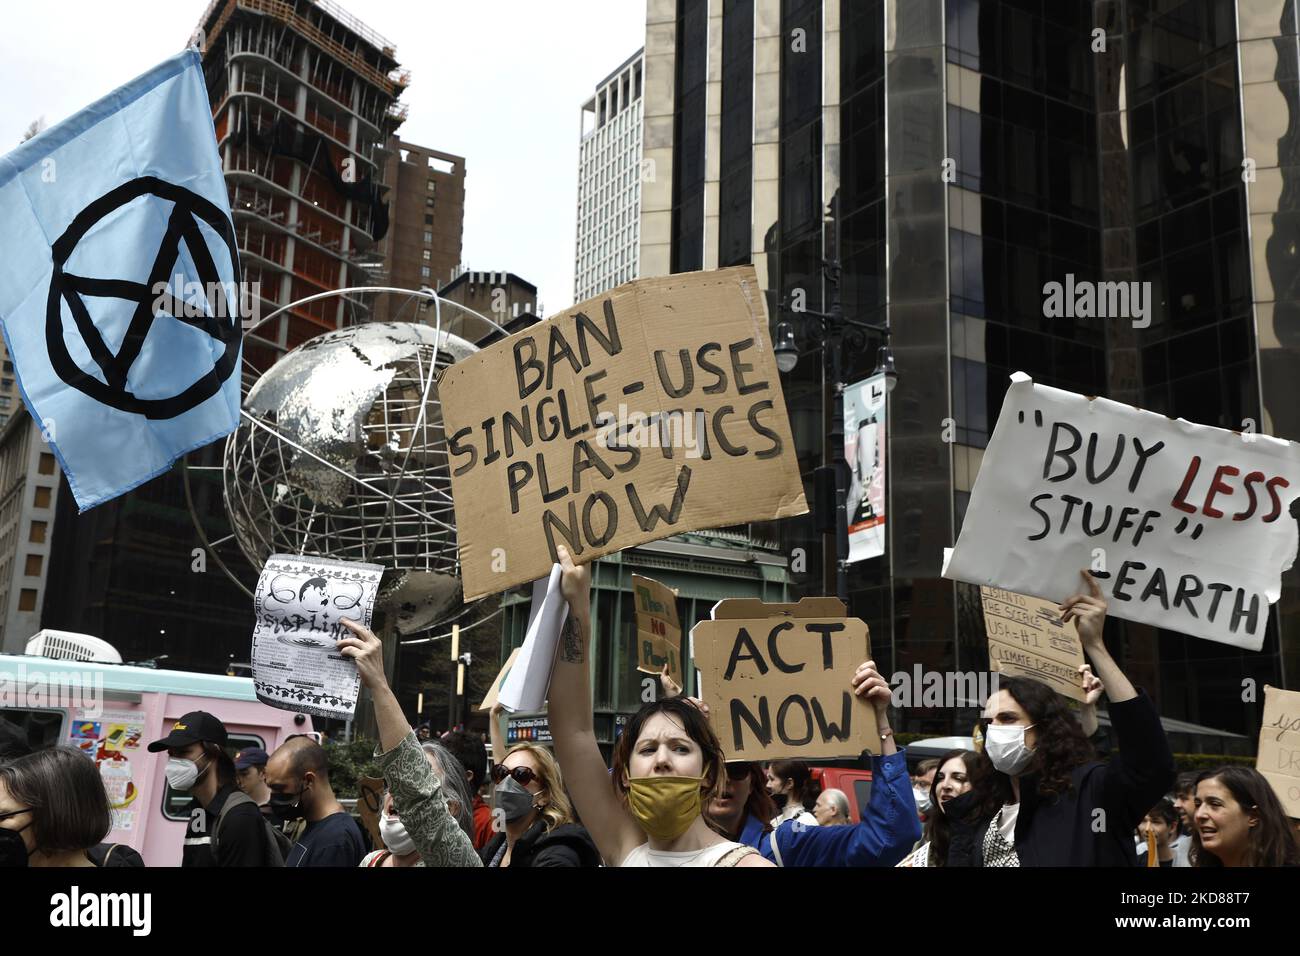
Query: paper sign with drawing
point(298, 606)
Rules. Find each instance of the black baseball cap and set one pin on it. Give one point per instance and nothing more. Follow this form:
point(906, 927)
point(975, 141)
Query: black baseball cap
point(195, 726)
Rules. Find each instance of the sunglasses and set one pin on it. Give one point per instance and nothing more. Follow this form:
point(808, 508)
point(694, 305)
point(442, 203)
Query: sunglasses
point(522, 775)
point(738, 771)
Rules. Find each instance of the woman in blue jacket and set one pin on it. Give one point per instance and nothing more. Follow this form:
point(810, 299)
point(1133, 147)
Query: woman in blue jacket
point(889, 825)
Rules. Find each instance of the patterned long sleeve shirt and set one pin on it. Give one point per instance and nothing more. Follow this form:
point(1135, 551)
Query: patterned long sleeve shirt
point(422, 805)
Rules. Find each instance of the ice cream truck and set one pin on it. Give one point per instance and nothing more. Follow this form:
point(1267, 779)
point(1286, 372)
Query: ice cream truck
point(111, 711)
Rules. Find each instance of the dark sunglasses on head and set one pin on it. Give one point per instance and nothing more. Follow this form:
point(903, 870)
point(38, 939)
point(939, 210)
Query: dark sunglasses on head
point(523, 775)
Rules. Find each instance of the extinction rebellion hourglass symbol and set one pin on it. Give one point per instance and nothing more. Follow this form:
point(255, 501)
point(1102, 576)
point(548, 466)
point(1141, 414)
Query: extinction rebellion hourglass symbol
point(221, 319)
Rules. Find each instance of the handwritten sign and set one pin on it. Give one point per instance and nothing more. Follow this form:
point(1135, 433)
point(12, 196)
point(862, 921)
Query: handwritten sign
point(651, 410)
point(297, 608)
point(1027, 638)
point(776, 679)
point(1185, 526)
point(658, 629)
point(490, 699)
point(1279, 747)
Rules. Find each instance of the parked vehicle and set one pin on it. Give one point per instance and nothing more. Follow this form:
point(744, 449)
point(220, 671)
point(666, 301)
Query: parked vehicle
point(112, 711)
point(854, 781)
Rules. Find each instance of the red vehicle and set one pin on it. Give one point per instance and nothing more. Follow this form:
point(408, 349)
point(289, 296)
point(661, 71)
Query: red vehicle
point(854, 781)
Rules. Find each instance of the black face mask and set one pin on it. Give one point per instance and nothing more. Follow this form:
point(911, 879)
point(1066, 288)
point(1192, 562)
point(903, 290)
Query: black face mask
point(13, 851)
point(288, 806)
point(780, 799)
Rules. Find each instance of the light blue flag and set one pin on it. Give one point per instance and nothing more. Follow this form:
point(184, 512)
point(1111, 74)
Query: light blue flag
point(119, 282)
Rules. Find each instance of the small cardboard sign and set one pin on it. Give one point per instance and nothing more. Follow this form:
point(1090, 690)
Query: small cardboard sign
point(776, 678)
point(489, 701)
point(1279, 747)
point(1027, 638)
point(650, 410)
point(658, 629)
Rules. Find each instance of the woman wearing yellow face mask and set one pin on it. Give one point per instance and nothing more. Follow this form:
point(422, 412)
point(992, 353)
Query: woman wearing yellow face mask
point(646, 811)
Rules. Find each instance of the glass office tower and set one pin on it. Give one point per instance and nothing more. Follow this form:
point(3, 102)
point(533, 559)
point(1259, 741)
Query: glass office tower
point(955, 156)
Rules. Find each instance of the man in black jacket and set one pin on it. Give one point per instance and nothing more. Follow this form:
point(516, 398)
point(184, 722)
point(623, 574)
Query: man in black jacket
point(198, 764)
point(1051, 803)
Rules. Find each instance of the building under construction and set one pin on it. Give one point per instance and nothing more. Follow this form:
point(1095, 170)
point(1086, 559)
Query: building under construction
point(305, 102)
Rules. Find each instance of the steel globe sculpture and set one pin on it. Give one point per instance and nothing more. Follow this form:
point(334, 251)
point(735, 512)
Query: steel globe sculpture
point(341, 453)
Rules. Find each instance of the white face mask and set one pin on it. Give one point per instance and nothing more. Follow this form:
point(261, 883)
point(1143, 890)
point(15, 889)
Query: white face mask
point(394, 835)
point(1005, 746)
point(182, 774)
point(922, 797)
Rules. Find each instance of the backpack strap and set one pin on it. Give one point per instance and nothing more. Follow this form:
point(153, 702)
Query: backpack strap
point(735, 855)
point(776, 850)
point(109, 855)
point(236, 798)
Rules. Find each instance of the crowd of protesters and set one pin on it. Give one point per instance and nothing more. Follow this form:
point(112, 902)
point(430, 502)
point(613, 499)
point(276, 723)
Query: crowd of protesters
point(1036, 793)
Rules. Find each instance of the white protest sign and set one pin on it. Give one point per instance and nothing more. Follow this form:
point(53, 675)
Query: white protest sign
point(297, 608)
point(1184, 526)
point(526, 685)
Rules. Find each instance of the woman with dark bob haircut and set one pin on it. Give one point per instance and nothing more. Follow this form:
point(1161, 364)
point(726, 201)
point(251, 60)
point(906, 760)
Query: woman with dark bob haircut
point(54, 802)
point(1240, 821)
point(1056, 804)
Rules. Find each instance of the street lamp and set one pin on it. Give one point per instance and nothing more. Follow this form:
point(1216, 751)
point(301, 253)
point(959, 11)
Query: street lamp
point(835, 332)
point(787, 352)
point(787, 348)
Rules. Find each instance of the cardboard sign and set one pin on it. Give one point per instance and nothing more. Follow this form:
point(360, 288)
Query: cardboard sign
point(1027, 638)
point(1279, 747)
point(648, 411)
point(489, 701)
point(1184, 526)
point(658, 629)
point(776, 679)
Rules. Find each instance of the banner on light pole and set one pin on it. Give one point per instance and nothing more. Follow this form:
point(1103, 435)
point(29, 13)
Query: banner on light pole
point(864, 450)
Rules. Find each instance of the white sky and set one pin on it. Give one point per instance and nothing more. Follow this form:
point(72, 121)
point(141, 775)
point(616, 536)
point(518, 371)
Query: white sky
point(500, 82)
